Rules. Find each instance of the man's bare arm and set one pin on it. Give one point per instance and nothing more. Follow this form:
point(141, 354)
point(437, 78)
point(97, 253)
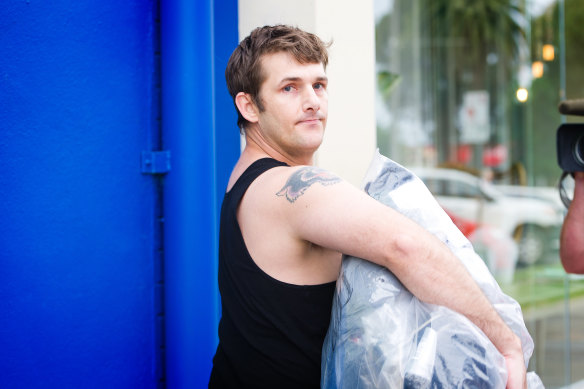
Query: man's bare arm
point(345, 219)
point(300, 180)
point(571, 238)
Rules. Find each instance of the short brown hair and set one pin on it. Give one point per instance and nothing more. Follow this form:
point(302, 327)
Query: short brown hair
point(244, 71)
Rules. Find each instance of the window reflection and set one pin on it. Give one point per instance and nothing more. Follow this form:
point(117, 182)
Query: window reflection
point(473, 88)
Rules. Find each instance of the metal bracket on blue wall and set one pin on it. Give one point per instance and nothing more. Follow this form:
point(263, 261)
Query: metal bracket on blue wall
point(155, 162)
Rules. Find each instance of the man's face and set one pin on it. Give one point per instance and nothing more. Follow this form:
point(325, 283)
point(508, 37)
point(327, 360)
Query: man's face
point(295, 102)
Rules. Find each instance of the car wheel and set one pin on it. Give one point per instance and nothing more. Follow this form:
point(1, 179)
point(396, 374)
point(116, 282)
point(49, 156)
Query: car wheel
point(531, 244)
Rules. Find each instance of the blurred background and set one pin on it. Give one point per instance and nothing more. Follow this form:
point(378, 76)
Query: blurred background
point(118, 136)
point(467, 96)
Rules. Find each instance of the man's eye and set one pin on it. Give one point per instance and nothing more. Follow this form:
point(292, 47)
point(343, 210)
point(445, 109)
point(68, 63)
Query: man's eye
point(288, 88)
point(318, 86)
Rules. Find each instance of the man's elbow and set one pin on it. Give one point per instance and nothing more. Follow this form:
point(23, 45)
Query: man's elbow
point(402, 249)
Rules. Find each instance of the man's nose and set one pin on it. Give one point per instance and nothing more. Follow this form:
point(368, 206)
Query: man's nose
point(311, 100)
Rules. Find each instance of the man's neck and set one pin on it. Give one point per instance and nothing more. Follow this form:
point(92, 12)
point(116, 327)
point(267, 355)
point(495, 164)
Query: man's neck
point(254, 150)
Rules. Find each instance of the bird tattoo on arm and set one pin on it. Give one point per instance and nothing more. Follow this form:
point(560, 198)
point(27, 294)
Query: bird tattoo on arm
point(303, 178)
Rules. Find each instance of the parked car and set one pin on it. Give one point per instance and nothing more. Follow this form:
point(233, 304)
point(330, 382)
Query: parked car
point(498, 250)
point(550, 194)
point(534, 222)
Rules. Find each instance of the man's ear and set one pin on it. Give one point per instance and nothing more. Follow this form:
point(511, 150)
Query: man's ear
point(247, 107)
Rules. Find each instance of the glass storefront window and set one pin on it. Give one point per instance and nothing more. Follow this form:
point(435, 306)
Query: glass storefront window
point(467, 96)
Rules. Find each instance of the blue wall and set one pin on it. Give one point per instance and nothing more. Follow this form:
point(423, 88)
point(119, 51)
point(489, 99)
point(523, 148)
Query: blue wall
point(79, 234)
point(81, 240)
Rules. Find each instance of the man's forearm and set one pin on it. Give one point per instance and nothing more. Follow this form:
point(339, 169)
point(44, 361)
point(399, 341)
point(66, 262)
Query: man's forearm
point(434, 275)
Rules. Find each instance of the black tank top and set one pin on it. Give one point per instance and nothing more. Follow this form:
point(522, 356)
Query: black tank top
point(271, 332)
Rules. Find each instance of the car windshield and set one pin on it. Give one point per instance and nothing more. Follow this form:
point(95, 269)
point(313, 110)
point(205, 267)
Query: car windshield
point(456, 185)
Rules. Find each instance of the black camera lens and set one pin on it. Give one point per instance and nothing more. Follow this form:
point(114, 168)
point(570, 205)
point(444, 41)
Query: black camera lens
point(579, 150)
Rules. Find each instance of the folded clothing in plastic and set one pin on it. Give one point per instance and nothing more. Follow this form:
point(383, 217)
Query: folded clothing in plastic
point(381, 336)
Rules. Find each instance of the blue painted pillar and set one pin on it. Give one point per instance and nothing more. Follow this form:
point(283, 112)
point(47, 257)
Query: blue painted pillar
point(227, 137)
point(190, 244)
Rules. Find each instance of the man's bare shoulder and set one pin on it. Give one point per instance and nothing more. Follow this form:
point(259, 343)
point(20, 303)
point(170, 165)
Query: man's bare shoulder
point(294, 196)
point(272, 218)
point(299, 179)
point(287, 184)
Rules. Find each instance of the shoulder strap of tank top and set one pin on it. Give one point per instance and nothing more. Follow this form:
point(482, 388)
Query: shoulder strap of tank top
point(251, 173)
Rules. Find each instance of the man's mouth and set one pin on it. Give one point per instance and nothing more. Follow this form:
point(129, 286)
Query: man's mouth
point(312, 120)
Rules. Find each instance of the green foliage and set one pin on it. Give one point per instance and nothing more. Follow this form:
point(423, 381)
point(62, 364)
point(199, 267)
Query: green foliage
point(484, 25)
point(574, 17)
point(386, 81)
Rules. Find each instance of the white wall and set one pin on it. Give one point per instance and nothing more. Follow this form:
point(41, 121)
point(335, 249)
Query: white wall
point(350, 138)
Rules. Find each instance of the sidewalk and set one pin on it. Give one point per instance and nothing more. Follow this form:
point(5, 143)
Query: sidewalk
point(547, 327)
point(575, 385)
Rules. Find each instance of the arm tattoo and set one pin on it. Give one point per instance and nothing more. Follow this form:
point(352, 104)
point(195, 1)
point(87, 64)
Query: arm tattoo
point(304, 177)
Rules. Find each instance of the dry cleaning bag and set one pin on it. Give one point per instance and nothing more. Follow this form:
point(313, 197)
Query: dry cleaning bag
point(381, 336)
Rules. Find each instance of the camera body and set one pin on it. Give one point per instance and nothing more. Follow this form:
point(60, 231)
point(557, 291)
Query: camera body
point(570, 147)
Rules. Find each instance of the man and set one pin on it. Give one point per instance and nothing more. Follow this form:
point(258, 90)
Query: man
point(285, 223)
point(571, 237)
